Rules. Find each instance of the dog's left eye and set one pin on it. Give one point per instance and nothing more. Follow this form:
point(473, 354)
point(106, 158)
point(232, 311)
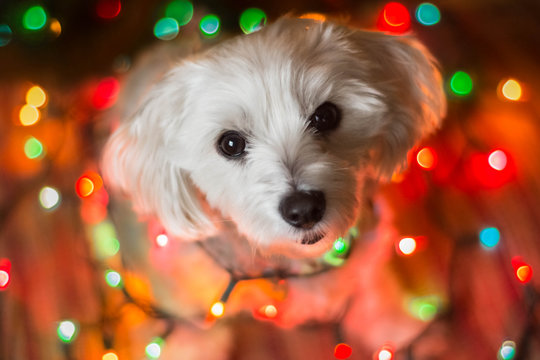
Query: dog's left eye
point(232, 144)
point(325, 118)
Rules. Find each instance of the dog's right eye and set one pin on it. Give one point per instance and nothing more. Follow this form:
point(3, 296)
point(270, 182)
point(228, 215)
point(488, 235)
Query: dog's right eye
point(232, 144)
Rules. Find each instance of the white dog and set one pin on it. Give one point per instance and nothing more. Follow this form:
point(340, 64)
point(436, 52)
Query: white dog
point(269, 139)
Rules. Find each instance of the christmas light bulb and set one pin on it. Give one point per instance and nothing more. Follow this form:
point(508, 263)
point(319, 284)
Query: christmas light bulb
point(49, 198)
point(270, 311)
point(29, 115)
point(84, 187)
point(428, 14)
point(461, 83)
point(36, 96)
point(407, 245)
point(66, 331)
point(153, 350)
point(111, 355)
point(180, 10)
point(394, 18)
point(209, 25)
point(113, 278)
point(507, 350)
point(217, 309)
point(426, 158)
point(5, 276)
point(166, 28)
point(162, 240)
point(497, 160)
point(252, 20)
point(385, 353)
point(511, 90)
point(489, 237)
point(342, 351)
point(33, 148)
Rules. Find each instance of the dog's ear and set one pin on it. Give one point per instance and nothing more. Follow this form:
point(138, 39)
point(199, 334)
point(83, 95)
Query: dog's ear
point(407, 77)
point(136, 160)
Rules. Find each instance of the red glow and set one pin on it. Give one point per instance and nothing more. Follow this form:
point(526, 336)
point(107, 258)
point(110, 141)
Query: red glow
point(5, 273)
point(342, 351)
point(485, 174)
point(106, 93)
point(427, 158)
point(394, 18)
point(108, 9)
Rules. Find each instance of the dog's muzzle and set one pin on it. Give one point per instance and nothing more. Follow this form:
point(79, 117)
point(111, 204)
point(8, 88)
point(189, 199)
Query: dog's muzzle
point(303, 209)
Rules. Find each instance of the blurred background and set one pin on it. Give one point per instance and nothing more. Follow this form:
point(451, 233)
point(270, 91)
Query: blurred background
point(468, 202)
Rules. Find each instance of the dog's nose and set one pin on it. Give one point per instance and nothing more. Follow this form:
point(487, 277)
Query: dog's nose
point(303, 209)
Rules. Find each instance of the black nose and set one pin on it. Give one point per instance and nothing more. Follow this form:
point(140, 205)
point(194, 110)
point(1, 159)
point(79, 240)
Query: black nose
point(303, 209)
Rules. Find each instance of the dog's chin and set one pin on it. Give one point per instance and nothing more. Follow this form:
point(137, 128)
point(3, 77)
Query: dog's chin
point(312, 245)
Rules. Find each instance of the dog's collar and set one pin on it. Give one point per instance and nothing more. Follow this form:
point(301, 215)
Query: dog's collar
point(234, 253)
point(242, 263)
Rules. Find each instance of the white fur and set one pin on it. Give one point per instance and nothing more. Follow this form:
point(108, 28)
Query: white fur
point(266, 85)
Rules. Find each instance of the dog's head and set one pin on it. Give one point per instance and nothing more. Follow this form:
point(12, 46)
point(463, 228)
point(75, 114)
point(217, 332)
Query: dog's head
point(276, 131)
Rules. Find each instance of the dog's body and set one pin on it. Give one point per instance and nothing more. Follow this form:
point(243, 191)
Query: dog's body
point(261, 148)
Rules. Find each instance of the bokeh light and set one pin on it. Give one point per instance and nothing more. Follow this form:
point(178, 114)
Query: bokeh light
point(217, 309)
point(106, 93)
point(108, 9)
point(407, 246)
point(180, 10)
point(162, 240)
point(522, 270)
point(34, 18)
point(524, 273)
point(498, 160)
point(111, 355)
point(55, 27)
point(166, 28)
point(5, 273)
point(489, 237)
point(210, 25)
point(342, 351)
point(428, 14)
point(394, 18)
point(36, 96)
point(461, 83)
point(426, 158)
point(113, 278)
point(270, 311)
point(507, 350)
point(33, 148)
point(67, 331)
point(340, 246)
point(425, 308)
point(511, 90)
point(252, 19)
point(88, 184)
point(105, 242)
point(5, 34)
point(385, 353)
point(153, 350)
point(49, 198)
point(84, 187)
point(29, 115)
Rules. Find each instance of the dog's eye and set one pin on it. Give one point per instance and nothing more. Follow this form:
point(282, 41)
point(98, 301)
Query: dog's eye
point(325, 118)
point(232, 144)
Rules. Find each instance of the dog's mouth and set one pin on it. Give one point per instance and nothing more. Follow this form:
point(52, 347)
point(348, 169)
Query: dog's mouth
point(312, 238)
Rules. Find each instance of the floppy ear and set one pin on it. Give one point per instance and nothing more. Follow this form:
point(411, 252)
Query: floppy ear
point(135, 161)
point(406, 75)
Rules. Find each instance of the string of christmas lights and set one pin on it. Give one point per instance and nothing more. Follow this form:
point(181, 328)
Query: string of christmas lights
point(487, 170)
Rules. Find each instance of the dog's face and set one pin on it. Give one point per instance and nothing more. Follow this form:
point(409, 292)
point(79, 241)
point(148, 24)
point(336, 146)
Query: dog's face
point(276, 131)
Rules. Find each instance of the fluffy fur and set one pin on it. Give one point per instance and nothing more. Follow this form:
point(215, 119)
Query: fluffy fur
point(266, 85)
